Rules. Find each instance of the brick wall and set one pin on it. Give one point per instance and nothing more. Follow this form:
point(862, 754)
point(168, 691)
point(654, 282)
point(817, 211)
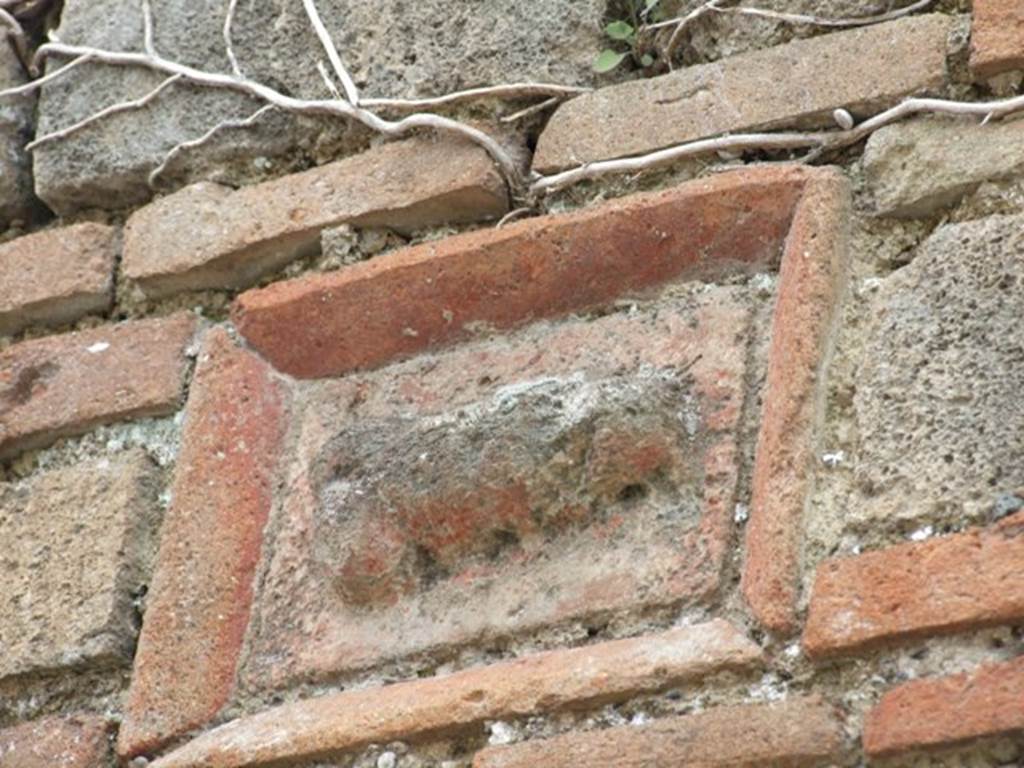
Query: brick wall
point(718, 466)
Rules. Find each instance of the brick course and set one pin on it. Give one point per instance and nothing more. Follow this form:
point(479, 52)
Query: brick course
point(949, 584)
point(997, 37)
point(946, 712)
point(796, 84)
point(797, 733)
point(64, 385)
point(209, 548)
point(78, 741)
point(210, 236)
point(812, 276)
point(436, 293)
point(56, 276)
point(547, 682)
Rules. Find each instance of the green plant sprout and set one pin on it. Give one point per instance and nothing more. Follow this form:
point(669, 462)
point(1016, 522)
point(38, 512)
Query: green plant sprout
point(626, 32)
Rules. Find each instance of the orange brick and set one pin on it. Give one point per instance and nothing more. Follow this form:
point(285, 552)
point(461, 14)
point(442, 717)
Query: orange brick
point(69, 742)
point(997, 37)
point(209, 548)
point(65, 385)
point(949, 584)
point(810, 283)
point(945, 712)
point(210, 236)
point(56, 276)
point(795, 734)
point(433, 294)
point(546, 682)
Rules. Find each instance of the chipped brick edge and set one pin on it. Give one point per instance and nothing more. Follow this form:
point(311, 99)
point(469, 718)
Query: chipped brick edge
point(811, 282)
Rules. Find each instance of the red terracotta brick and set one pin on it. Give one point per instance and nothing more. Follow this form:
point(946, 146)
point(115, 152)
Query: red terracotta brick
point(210, 545)
point(56, 276)
point(65, 385)
point(811, 280)
point(435, 293)
point(949, 584)
point(209, 236)
point(796, 733)
point(546, 682)
point(423, 497)
point(945, 712)
point(997, 37)
point(54, 742)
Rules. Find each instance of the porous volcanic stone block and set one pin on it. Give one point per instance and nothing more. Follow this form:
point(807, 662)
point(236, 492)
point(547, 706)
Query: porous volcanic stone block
point(75, 546)
point(938, 406)
point(393, 48)
point(209, 236)
point(56, 276)
point(16, 123)
point(918, 167)
point(796, 84)
point(506, 486)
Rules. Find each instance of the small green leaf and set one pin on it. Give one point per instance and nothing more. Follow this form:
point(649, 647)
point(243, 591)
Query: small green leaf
point(608, 60)
point(619, 30)
point(646, 60)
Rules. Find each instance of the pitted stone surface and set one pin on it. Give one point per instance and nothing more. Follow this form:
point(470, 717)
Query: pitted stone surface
point(16, 123)
point(938, 403)
point(392, 48)
point(74, 547)
point(919, 167)
point(426, 500)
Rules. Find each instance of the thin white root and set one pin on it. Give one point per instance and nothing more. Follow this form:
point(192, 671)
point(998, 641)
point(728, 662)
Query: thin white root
point(261, 92)
point(511, 216)
point(229, 46)
point(532, 110)
point(192, 144)
point(748, 141)
point(818, 21)
point(820, 141)
point(147, 29)
point(686, 21)
point(35, 85)
point(113, 109)
point(332, 87)
point(351, 93)
point(506, 92)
